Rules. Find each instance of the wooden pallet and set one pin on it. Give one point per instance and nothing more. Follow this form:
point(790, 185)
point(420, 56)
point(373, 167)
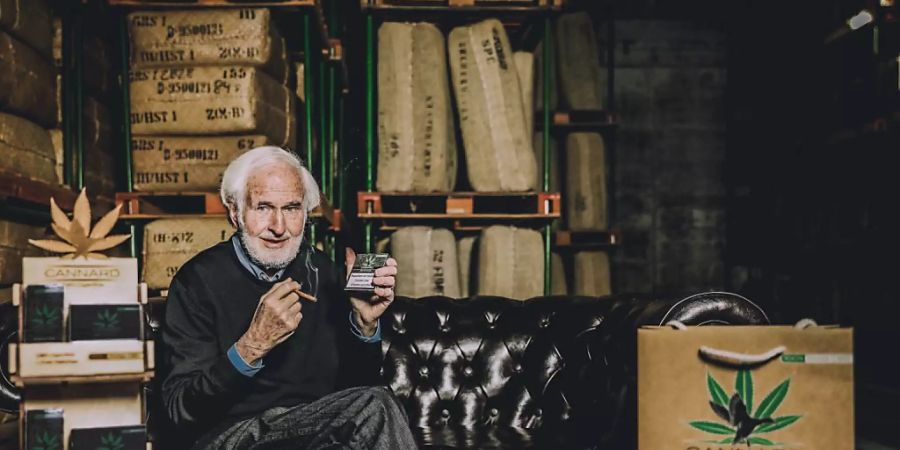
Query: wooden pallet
point(577, 120)
point(212, 3)
point(496, 5)
point(564, 239)
point(458, 205)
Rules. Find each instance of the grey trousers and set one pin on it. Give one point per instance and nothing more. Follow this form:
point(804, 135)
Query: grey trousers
point(356, 418)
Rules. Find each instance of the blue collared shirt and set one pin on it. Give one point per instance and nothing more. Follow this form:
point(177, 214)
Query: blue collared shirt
point(251, 369)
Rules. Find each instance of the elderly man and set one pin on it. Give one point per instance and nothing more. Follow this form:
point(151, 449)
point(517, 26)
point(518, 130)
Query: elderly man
point(248, 362)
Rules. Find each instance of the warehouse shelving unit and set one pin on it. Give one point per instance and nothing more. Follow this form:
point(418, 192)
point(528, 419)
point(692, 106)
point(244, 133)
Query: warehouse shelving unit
point(527, 22)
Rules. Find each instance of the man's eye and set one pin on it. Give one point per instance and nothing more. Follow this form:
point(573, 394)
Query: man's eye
point(262, 208)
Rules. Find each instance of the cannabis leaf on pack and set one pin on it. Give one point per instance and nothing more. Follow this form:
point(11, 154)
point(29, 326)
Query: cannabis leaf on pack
point(111, 442)
point(44, 315)
point(80, 239)
point(107, 319)
point(742, 424)
point(45, 441)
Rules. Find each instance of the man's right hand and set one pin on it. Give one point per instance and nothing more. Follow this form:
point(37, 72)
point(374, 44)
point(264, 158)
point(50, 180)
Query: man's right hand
point(277, 316)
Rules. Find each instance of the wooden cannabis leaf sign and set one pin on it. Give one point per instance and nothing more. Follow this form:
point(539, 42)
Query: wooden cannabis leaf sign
point(80, 239)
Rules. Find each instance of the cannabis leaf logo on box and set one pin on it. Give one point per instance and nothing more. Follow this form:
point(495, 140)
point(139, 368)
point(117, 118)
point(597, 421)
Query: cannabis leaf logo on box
point(742, 424)
point(111, 441)
point(45, 441)
point(44, 316)
point(106, 320)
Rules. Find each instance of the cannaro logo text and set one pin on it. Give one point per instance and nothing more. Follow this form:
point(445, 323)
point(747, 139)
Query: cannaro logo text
point(739, 422)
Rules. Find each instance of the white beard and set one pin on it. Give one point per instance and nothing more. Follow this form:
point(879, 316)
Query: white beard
point(267, 258)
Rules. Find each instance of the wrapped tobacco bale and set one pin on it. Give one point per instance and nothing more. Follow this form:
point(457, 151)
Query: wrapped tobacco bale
point(27, 82)
point(30, 22)
point(169, 243)
point(592, 277)
point(464, 248)
point(510, 262)
point(539, 78)
point(416, 139)
point(186, 163)
point(99, 161)
point(554, 162)
point(14, 246)
point(56, 138)
point(210, 100)
point(558, 283)
point(27, 149)
point(497, 143)
point(586, 194)
point(222, 37)
point(579, 62)
point(428, 258)
point(525, 71)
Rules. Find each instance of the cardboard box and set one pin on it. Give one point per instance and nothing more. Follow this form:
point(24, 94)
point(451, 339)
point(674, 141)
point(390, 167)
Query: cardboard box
point(44, 429)
point(44, 309)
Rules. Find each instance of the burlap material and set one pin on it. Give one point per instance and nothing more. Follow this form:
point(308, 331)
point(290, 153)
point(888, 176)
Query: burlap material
point(223, 37)
point(210, 100)
point(586, 190)
point(580, 78)
point(559, 285)
point(525, 71)
point(169, 243)
point(554, 162)
point(180, 163)
point(592, 277)
point(799, 396)
point(429, 261)
point(510, 262)
point(497, 144)
point(27, 82)
point(415, 121)
point(26, 149)
point(14, 246)
point(464, 252)
point(29, 21)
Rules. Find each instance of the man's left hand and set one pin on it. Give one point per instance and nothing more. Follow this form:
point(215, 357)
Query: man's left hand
point(367, 311)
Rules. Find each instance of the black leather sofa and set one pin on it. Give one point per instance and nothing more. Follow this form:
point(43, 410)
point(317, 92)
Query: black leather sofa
point(490, 372)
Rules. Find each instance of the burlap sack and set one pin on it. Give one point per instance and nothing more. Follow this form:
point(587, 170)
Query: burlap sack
point(169, 243)
point(428, 258)
point(586, 190)
point(29, 21)
point(579, 62)
point(510, 262)
point(27, 82)
point(464, 252)
point(525, 71)
point(223, 37)
point(592, 277)
point(558, 283)
point(14, 246)
point(777, 387)
point(26, 149)
point(497, 143)
point(416, 139)
point(210, 100)
point(181, 163)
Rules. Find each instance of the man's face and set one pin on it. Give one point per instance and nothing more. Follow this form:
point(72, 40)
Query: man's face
point(273, 218)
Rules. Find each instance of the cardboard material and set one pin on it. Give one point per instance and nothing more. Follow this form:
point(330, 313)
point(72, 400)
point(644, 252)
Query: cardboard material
point(209, 37)
point(497, 143)
point(27, 82)
point(181, 163)
point(87, 281)
point(579, 62)
point(210, 100)
point(801, 398)
point(586, 185)
point(416, 138)
point(510, 262)
point(169, 243)
point(429, 261)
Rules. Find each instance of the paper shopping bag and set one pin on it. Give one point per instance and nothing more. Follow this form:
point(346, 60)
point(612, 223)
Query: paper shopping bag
point(740, 387)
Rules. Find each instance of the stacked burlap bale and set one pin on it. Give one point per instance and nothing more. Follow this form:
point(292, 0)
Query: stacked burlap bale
point(27, 90)
point(14, 246)
point(510, 262)
point(586, 190)
point(197, 77)
point(429, 261)
point(416, 137)
point(592, 274)
point(495, 133)
point(580, 75)
point(467, 254)
point(465, 248)
point(169, 243)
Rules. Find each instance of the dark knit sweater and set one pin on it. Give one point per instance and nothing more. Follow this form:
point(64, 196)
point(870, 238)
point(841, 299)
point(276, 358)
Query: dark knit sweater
point(211, 302)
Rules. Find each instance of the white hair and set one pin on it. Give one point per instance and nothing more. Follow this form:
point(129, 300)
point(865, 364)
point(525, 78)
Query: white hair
point(234, 180)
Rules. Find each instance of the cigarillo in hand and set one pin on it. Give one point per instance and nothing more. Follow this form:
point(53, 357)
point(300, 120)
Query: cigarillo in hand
point(304, 295)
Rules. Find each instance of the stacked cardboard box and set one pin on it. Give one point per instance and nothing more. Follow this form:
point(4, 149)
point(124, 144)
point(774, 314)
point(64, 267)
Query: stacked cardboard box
point(205, 86)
